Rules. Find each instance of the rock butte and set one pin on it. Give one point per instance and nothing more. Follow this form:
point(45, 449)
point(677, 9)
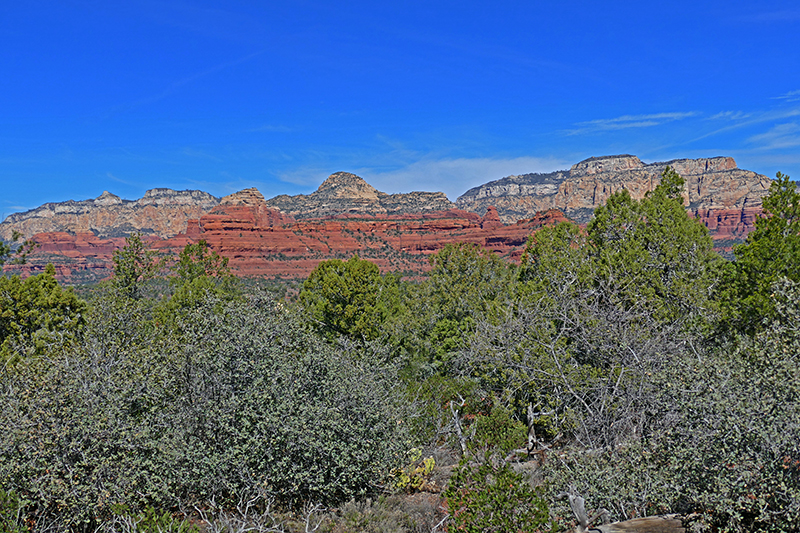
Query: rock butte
point(287, 236)
point(725, 198)
point(260, 241)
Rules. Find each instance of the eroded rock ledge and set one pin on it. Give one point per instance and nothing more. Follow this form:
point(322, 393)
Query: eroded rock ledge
point(726, 198)
point(162, 212)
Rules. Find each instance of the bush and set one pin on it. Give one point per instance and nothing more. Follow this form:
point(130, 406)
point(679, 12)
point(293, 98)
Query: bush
point(498, 431)
point(414, 475)
point(150, 520)
point(11, 513)
point(265, 403)
point(489, 497)
point(722, 440)
point(393, 514)
point(234, 398)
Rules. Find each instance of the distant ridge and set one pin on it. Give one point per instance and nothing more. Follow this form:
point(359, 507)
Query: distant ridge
point(714, 183)
point(161, 212)
point(344, 193)
point(289, 235)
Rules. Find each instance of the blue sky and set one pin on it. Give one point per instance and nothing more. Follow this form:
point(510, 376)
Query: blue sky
point(126, 96)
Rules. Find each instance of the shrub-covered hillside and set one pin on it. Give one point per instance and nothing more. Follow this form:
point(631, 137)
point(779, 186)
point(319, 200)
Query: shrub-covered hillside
point(625, 362)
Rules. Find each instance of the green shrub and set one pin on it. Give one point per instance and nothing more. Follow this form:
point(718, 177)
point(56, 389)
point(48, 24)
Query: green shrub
point(150, 520)
point(498, 431)
point(492, 498)
point(393, 514)
point(235, 397)
point(414, 475)
point(721, 442)
point(11, 513)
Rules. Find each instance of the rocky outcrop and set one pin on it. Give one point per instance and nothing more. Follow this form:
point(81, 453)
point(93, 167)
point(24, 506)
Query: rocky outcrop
point(77, 257)
point(161, 212)
point(345, 193)
point(727, 199)
point(287, 236)
point(250, 196)
point(260, 241)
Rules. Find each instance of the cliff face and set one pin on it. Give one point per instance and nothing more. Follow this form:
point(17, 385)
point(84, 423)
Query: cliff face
point(161, 212)
point(288, 235)
point(260, 241)
point(343, 193)
point(727, 199)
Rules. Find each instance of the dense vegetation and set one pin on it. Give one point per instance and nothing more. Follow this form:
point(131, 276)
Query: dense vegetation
point(625, 361)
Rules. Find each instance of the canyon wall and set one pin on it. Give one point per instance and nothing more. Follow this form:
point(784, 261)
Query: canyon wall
point(161, 212)
point(344, 193)
point(724, 197)
point(287, 236)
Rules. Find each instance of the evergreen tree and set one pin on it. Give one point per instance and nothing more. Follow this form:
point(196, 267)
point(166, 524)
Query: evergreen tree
point(771, 252)
point(134, 264)
point(349, 298)
point(21, 251)
point(36, 313)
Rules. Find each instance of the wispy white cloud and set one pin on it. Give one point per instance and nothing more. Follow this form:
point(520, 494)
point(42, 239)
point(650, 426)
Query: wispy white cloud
point(791, 96)
point(730, 115)
point(783, 15)
point(629, 121)
point(176, 85)
point(752, 120)
point(9, 209)
point(779, 137)
point(118, 180)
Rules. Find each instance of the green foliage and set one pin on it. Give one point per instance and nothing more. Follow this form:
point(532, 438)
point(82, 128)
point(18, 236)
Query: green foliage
point(37, 314)
point(465, 279)
point(236, 398)
point(268, 404)
point(648, 255)
point(349, 298)
point(392, 514)
point(78, 437)
point(11, 513)
point(720, 439)
point(414, 475)
point(652, 253)
point(200, 273)
point(552, 253)
point(135, 407)
point(465, 284)
point(434, 399)
point(771, 251)
point(599, 310)
point(151, 520)
point(134, 264)
point(21, 252)
point(487, 497)
point(199, 260)
point(498, 431)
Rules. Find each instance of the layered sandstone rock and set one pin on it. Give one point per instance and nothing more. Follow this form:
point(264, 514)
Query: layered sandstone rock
point(344, 192)
point(161, 212)
point(251, 196)
point(727, 199)
point(260, 241)
point(287, 236)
